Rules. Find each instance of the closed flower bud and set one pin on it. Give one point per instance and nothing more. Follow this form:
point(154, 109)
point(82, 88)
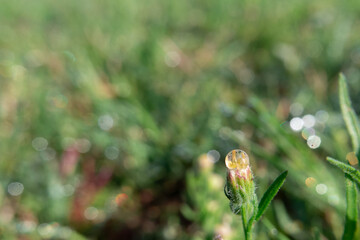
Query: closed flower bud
point(240, 187)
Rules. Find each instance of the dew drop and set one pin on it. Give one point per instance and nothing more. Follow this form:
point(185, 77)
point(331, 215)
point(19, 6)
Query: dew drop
point(237, 159)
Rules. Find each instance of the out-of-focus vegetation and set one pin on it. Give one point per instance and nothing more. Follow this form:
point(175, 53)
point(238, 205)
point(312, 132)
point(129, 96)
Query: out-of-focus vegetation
point(116, 115)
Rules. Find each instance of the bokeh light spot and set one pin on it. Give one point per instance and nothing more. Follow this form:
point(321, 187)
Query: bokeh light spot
point(106, 122)
point(351, 157)
point(321, 116)
point(172, 59)
point(296, 109)
point(120, 199)
point(307, 132)
point(309, 121)
point(310, 181)
point(15, 188)
point(39, 143)
point(91, 213)
point(48, 155)
point(321, 189)
point(213, 155)
point(296, 124)
point(82, 145)
point(314, 141)
point(46, 230)
point(112, 152)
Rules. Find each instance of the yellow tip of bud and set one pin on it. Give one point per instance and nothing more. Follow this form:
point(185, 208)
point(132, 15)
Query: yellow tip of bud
point(237, 159)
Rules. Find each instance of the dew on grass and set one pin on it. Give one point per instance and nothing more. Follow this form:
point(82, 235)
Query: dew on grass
point(237, 159)
point(314, 141)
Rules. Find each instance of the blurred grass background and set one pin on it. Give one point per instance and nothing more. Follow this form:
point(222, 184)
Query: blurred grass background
point(116, 115)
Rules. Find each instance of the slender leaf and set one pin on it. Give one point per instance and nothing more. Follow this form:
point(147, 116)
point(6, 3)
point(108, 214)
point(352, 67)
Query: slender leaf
point(349, 115)
point(351, 209)
point(353, 172)
point(270, 194)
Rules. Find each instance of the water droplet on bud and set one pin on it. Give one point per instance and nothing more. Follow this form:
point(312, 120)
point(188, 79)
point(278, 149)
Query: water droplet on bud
point(237, 159)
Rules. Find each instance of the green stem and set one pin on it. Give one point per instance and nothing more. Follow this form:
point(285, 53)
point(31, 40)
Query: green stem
point(247, 209)
point(244, 219)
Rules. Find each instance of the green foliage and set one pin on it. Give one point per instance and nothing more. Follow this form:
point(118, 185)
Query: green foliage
point(270, 194)
point(352, 175)
point(346, 168)
point(351, 209)
point(176, 79)
point(348, 113)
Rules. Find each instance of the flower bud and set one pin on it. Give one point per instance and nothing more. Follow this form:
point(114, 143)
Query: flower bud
point(240, 187)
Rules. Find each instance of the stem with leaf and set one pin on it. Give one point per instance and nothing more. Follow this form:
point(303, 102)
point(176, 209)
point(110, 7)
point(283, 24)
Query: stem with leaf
point(240, 190)
point(352, 175)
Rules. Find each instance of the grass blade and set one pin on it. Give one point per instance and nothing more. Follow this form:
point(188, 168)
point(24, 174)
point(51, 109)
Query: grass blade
point(353, 172)
point(349, 115)
point(351, 209)
point(270, 194)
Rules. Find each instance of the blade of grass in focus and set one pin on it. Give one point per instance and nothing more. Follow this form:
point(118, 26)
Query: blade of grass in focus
point(270, 194)
point(349, 115)
point(353, 172)
point(351, 209)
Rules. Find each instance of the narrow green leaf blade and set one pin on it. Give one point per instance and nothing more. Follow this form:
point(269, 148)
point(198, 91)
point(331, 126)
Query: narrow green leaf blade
point(270, 194)
point(349, 115)
point(353, 172)
point(351, 209)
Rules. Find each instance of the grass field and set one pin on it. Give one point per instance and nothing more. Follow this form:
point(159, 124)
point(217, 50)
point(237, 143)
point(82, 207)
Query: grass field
point(116, 116)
